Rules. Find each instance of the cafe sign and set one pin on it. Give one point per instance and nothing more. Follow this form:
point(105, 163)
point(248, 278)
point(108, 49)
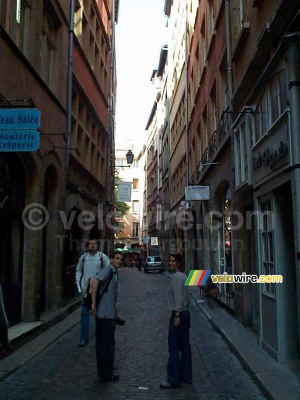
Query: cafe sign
point(18, 129)
point(270, 157)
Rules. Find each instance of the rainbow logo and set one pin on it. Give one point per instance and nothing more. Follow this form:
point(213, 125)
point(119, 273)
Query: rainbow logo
point(197, 277)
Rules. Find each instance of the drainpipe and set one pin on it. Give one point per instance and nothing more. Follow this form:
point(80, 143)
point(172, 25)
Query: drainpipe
point(294, 90)
point(69, 85)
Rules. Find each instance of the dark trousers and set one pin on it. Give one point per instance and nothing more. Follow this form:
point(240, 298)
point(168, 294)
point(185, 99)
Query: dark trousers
point(180, 356)
point(105, 347)
point(3, 331)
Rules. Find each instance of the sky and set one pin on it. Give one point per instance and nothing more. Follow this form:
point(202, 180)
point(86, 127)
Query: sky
point(140, 34)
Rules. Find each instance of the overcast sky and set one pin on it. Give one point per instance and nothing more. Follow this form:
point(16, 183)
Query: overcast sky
point(140, 34)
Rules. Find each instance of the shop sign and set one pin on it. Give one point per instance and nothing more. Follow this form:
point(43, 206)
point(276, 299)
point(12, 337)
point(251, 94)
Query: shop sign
point(196, 193)
point(270, 157)
point(20, 118)
point(19, 140)
point(18, 129)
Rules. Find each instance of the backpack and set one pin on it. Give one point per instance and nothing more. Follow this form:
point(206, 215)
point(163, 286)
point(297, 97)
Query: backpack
point(87, 301)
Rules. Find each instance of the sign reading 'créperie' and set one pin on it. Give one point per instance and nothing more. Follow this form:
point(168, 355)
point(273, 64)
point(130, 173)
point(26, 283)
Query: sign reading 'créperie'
point(18, 129)
point(25, 140)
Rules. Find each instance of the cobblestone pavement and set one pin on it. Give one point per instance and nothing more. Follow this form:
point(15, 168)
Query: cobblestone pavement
point(65, 371)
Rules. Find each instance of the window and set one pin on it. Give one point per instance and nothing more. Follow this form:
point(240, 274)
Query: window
point(243, 140)
point(135, 206)
point(267, 245)
point(278, 95)
point(135, 184)
point(47, 50)
point(242, 11)
point(203, 44)
point(135, 229)
point(213, 104)
point(272, 104)
point(211, 17)
point(135, 164)
point(197, 64)
point(20, 24)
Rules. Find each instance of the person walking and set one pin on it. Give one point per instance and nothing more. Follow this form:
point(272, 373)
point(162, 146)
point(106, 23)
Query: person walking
point(88, 265)
point(5, 345)
point(106, 315)
point(179, 367)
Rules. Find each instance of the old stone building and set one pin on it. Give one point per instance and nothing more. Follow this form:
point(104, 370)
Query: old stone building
point(233, 117)
point(69, 77)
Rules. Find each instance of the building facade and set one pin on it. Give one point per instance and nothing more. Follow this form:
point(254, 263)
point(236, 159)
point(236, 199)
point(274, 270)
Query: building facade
point(130, 235)
point(233, 117)
point(67, 78)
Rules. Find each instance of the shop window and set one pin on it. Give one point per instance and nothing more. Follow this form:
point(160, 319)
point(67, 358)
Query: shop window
point(227, 231)
point(267, 245)
point(224, 222)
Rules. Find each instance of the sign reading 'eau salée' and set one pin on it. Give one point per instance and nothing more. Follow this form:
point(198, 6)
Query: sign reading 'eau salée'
point(18, 129)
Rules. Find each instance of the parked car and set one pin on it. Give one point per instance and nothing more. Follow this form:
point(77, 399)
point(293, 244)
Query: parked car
point(153, 263)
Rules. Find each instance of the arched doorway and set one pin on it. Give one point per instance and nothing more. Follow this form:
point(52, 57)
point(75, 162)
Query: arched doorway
point(225, 236)
point(12, 200)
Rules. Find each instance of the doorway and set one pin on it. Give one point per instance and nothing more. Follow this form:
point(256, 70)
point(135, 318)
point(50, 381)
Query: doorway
point(12, 200)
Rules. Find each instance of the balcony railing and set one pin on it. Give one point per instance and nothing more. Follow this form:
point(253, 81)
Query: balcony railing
point(215, 144)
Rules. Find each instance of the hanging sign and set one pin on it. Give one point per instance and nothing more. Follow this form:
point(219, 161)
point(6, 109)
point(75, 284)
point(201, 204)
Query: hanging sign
point(196, 193)
point(15, 141)
point(18, 129)
point(20, 118)
point(154, 241)
point(124, 191)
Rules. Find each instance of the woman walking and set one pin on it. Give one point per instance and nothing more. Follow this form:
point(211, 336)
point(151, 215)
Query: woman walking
point(180, 358)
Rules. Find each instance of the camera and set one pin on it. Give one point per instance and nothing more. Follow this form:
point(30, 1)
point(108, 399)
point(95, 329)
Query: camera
point(120, 321)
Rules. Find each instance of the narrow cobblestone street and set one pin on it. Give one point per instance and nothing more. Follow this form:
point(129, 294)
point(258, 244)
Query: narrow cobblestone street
point(65, 371)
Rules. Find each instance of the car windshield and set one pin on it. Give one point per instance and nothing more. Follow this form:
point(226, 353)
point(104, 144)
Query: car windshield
point(154, 259)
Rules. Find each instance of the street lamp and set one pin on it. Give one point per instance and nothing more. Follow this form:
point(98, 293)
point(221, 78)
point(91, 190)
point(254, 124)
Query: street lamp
point(129, 159)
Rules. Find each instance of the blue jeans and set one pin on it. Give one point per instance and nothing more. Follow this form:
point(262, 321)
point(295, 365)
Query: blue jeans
point(85, 324)
point(180, 367)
